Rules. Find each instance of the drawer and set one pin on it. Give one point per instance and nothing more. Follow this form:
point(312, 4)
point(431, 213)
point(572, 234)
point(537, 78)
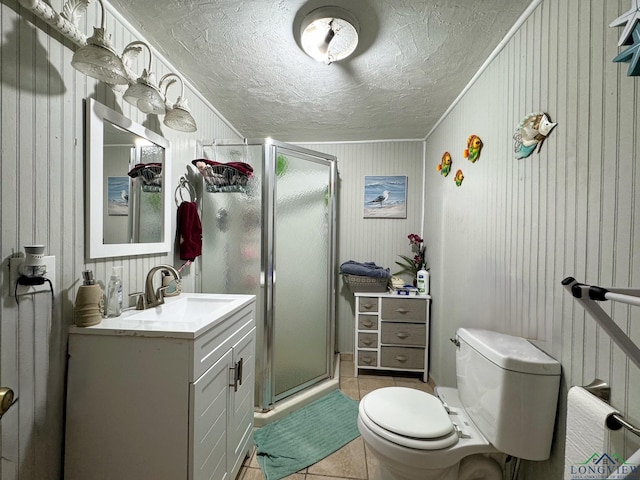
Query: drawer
point(367, 322)
point(404, 309)
point(367, 340)
point(402, 357)
point(367, 359)
point(368, 304)
point(403, 333)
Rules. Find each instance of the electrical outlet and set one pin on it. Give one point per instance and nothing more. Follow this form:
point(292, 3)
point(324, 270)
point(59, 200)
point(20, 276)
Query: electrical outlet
point(14, 274)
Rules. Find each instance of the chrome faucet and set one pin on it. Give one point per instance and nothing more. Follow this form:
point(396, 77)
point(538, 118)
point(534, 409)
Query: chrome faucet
point(154, 297)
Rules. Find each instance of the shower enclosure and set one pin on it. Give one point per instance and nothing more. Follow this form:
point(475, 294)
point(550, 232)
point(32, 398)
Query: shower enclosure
point(274, 237)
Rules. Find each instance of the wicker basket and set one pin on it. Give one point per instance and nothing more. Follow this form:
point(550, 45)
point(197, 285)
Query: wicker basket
point(360, 283)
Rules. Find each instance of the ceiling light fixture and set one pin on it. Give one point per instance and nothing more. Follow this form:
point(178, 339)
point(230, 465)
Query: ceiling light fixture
point(178, 117)
point(143, 93)
point(98, 59)
point(329, 34)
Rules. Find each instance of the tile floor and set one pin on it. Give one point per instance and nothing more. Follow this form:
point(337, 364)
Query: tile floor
point(352, 461)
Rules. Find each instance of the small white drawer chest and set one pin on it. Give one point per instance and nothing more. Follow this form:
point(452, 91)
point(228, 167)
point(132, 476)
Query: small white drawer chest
point(392, 332)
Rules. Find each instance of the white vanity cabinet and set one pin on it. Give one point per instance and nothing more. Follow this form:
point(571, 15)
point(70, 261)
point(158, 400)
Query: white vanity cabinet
point(151, 402)
point(392, 333)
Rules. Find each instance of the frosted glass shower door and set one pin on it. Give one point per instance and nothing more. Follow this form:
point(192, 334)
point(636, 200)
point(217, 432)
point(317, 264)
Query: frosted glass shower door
point(302, 258)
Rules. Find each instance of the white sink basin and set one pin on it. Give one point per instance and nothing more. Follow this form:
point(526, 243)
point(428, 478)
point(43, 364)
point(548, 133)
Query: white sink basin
point(185, 309)
point(188, 315)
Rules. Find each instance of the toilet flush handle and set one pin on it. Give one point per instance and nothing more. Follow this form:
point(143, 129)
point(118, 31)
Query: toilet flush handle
point(455, 341)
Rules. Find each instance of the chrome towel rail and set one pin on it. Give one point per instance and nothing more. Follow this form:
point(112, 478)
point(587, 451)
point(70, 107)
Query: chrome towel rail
point(615, 421)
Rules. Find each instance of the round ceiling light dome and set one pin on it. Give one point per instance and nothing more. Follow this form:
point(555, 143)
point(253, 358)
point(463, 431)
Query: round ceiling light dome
point(329, 34)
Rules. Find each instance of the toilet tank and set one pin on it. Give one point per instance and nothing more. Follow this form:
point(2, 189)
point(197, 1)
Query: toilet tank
point(509, 388)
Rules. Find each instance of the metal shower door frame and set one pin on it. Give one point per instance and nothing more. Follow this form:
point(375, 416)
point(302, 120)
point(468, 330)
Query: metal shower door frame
point(265, 374)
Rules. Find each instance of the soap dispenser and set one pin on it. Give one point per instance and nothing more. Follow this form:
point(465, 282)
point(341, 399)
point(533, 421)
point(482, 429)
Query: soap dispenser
point(423, 281)
point(114, 293)
point(89, 302)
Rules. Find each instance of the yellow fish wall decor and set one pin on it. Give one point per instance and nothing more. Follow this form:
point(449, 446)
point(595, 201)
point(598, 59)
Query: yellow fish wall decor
point(458, 178)
point(474, 146)
point(444, 167)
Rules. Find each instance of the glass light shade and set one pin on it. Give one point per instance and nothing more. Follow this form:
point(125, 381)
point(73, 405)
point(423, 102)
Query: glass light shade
point(329, 34)
point(179, 117)
point(145, 95)
point(98, 60)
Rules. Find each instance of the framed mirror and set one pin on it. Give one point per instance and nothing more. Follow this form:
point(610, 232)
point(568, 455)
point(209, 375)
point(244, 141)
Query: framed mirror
point(127, 172)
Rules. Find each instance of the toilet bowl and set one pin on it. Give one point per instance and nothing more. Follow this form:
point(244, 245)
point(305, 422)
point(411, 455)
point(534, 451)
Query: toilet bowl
point(505, 403)
point(422, 439)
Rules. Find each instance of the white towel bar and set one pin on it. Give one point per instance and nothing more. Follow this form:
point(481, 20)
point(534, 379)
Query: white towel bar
point(587, 295)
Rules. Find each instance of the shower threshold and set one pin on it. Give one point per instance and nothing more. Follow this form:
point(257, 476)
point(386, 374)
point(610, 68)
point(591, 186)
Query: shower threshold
point(300, 399)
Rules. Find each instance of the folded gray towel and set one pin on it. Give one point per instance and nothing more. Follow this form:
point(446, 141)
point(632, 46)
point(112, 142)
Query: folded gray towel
point(366, 269)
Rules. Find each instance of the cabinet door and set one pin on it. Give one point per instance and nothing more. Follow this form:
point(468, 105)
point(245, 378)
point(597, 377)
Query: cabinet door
point(241, 400)
point(208, 411)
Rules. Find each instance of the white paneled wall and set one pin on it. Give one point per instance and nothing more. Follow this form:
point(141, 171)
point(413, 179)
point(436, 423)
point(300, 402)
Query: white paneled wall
point(371, 239)
point(504, 240)
point(42, 195)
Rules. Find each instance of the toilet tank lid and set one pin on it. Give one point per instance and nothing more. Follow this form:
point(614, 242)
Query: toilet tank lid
point(509, 352)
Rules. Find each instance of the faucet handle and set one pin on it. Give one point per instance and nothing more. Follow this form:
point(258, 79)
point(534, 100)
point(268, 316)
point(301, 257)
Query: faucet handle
point(141, 303)
point(160, 294)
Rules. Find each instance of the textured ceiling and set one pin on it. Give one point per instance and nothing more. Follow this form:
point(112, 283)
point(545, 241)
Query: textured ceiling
point(413, 60)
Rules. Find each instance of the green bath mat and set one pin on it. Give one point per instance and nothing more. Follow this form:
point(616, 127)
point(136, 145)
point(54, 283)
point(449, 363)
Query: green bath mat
point(306, 436)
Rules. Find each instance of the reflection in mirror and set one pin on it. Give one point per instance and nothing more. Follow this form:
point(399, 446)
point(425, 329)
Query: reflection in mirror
point(127, 165)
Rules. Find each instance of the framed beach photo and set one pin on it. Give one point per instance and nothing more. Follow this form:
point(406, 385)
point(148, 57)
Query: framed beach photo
point(118, 196)
point(385, 196)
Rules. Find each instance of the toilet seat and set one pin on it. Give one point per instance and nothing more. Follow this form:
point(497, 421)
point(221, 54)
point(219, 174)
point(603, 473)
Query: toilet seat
point(408, 417)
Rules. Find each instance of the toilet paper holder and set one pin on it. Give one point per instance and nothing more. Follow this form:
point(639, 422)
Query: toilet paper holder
point(615, 421)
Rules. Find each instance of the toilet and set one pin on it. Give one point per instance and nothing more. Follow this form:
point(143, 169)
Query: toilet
point(505, 403)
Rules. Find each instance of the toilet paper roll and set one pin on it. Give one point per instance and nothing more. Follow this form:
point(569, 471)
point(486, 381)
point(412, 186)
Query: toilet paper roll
point(587, 433)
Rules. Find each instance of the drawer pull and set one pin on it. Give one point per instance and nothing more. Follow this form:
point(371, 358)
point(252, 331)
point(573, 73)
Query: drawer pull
point(367, 360)
point(402, 335)
point(366, 341)
point(368, 306)
point(401, 358)
point(367, 323)
point(402, 310)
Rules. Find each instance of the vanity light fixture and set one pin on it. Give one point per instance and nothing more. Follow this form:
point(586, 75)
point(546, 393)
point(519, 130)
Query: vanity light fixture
point(329, 34)
point(143, 93)
point(98, 58)
point(179, 116)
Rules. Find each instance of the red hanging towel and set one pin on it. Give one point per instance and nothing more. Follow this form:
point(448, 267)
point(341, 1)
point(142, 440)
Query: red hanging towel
point(189, 231)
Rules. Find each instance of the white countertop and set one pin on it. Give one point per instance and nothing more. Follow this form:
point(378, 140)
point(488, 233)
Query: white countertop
point(187, 315)
point(390, 295)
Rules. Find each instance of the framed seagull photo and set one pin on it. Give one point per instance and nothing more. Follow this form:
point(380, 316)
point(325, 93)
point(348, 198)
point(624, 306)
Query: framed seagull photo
point(385, 196)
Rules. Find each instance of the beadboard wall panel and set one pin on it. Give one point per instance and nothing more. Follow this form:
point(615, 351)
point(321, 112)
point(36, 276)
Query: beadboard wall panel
point(376, 240)
point(42, 195)
point(503, 241)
